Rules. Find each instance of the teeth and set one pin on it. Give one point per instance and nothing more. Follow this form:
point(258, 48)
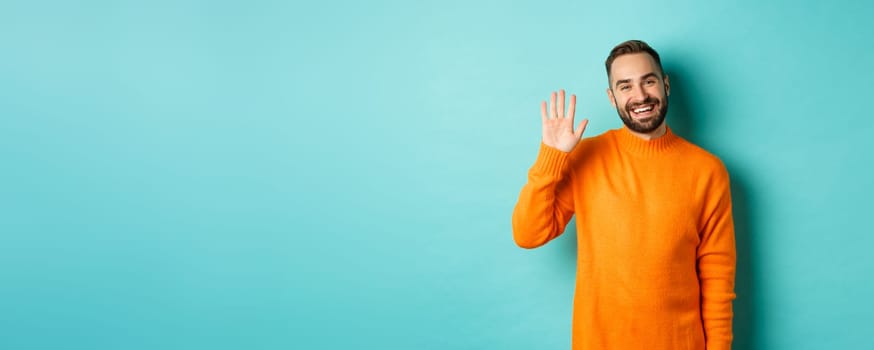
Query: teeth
point(643, 109)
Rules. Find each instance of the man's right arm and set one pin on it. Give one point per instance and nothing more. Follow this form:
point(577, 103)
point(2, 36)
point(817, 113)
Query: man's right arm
point(545, 204)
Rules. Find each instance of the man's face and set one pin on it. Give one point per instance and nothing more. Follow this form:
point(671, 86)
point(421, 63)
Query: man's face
point(639, 92)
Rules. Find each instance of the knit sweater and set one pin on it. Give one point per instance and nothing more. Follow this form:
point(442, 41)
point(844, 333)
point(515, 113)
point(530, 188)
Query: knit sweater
point(656, 259)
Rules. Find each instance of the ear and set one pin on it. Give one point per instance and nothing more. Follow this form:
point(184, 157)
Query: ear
point(611, 97)
point(667, 85)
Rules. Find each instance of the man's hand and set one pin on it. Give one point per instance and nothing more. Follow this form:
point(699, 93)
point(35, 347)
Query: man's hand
point(558, 128)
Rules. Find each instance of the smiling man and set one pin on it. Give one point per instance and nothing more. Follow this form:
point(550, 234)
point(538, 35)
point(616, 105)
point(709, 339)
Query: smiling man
point(656, 260)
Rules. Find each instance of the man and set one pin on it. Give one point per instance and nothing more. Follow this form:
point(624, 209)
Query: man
point(656, 260)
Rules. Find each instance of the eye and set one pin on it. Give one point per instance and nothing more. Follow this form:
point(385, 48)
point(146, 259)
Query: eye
point(650, 82)
point(624, 87)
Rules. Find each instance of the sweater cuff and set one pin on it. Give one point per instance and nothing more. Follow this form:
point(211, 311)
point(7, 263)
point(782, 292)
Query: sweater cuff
point(551, 161)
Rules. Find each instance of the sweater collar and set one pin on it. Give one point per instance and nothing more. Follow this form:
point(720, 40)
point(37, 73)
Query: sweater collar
point(639, 146)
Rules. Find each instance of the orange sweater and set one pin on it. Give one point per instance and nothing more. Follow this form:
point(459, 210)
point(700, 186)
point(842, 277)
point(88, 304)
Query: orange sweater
point(656, 261)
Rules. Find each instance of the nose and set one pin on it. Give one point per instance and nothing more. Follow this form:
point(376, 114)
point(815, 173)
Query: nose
point(639, 94)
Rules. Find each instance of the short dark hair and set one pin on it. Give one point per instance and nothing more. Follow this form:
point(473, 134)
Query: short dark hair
point(629, 47)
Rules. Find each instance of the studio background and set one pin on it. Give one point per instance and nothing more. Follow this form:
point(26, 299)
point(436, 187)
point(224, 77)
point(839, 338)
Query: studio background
point(334, 175)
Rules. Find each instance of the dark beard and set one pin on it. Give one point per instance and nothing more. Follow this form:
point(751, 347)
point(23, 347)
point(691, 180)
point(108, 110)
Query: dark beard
point(648, 125)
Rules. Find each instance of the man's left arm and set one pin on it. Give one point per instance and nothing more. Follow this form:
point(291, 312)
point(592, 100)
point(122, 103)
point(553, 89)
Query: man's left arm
point(717, 263)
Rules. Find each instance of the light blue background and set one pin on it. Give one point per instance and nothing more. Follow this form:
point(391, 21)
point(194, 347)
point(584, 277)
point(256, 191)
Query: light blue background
point(335, 175)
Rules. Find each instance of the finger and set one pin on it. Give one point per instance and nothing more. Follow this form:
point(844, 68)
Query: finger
point(543, 112)
point(561, 103)
point(572, 108)
point(581, 128)
point(552, 105)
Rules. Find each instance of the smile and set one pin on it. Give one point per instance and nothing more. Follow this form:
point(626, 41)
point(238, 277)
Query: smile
point(644, 111)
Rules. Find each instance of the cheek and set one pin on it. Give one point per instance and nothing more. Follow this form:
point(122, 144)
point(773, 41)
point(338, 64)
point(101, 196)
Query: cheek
point(625, 102)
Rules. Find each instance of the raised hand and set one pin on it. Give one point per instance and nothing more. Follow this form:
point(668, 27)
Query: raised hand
point(558, 127)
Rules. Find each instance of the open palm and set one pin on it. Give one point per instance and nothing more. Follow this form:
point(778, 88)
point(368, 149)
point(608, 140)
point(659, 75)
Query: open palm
point(558, 126)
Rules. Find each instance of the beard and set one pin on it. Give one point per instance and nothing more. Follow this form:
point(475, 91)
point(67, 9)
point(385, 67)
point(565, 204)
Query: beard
point(647, 125)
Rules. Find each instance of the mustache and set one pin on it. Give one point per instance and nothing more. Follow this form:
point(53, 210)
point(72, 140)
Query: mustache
point(647, 101)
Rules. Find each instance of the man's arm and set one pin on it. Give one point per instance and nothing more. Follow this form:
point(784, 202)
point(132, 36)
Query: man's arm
point(716, 264)
point(546, 203)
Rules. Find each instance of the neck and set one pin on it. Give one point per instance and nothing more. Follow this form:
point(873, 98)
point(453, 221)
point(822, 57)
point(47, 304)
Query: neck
point(658, 132)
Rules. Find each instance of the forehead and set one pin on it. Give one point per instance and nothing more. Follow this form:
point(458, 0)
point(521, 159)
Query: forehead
point(632, 66)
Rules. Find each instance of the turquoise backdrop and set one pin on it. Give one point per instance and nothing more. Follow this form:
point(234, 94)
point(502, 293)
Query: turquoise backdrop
point(341, 175)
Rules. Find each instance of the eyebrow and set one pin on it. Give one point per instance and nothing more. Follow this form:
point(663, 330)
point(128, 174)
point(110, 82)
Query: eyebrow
point(642, 77)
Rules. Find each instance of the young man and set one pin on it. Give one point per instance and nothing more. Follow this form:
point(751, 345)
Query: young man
point(656, 260)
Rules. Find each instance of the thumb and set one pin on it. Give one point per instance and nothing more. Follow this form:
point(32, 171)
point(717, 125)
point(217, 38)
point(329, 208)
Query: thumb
point(581, 128)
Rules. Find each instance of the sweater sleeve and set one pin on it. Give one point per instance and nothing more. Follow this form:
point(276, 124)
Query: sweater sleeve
point(545, 205)
point(717, 263)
